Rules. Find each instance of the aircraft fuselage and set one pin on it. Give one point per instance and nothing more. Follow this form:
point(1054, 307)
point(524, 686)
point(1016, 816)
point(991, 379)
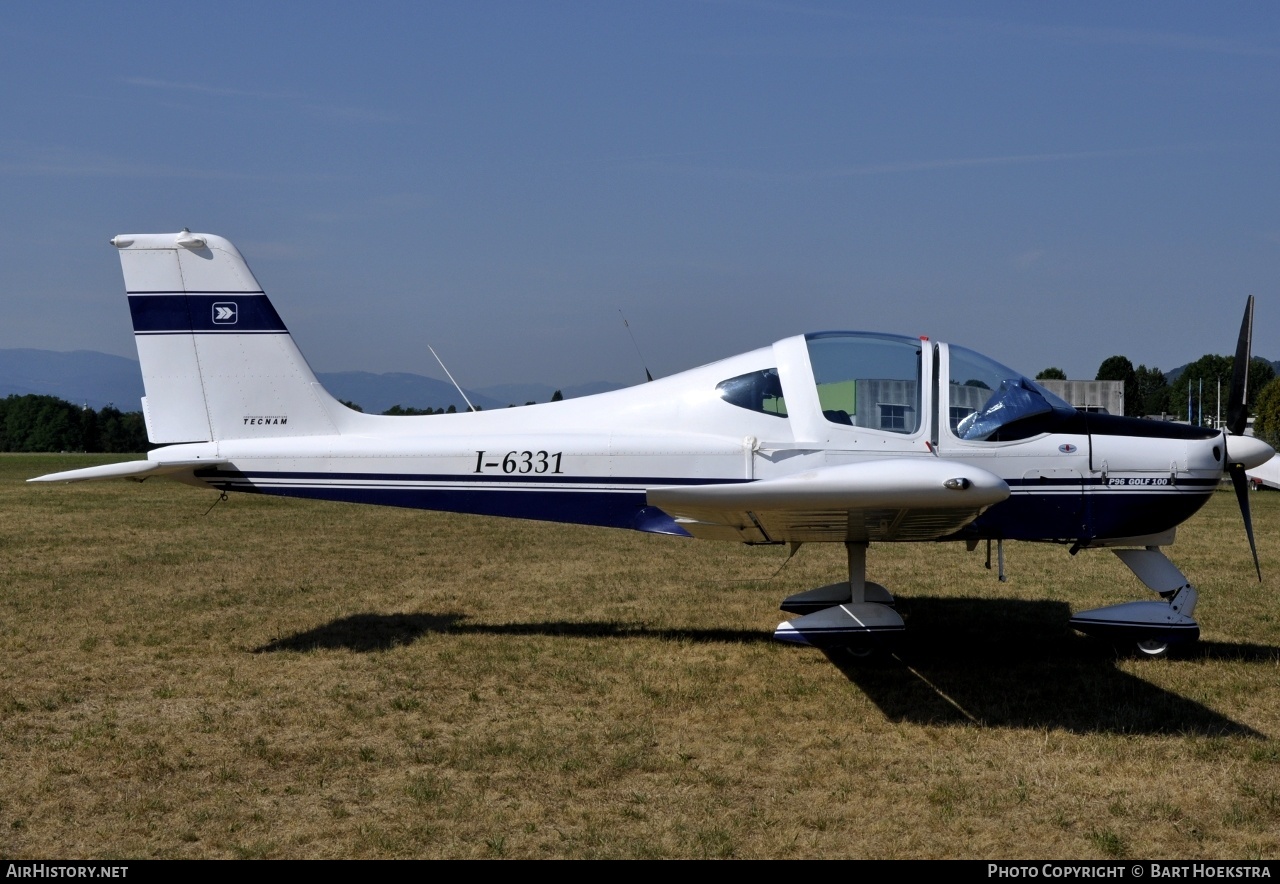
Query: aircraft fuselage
point(763, 415)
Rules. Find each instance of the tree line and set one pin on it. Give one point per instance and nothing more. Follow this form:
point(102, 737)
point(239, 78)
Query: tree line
point(1149, 391)
point(399, 410)
point(47, 423)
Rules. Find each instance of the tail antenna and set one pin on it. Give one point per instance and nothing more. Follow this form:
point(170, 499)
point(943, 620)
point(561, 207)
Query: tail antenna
point(470, 407)
point(647, 376)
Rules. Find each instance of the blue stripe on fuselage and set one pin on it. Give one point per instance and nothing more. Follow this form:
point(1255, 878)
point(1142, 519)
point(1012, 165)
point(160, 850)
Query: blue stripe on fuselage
point(1100, 513)
point(486, 495)
point(608, 509)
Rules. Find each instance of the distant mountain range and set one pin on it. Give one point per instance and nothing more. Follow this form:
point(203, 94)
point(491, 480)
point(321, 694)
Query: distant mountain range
point(83, 377)
point(87, 377)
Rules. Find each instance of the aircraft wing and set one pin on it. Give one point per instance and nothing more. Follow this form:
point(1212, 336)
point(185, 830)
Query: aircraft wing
point(134, 469)
point(903, 498)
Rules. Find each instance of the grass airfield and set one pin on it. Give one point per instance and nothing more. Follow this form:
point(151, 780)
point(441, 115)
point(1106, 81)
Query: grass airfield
point(285, 678)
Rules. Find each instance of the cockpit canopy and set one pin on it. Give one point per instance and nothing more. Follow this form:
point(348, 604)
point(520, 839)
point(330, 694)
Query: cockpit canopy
point(868, 380)
point(874, 381)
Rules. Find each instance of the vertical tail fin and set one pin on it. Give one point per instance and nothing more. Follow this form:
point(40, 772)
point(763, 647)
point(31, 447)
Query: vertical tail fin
point(217, 361)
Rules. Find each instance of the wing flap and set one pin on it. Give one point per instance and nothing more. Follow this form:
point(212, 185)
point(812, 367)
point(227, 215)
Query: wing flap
point(873, 500)
point(730, 528)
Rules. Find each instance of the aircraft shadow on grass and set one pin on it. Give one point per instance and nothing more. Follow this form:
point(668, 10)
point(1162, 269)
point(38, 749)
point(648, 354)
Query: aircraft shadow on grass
point(1011, 663)
point(381, 632)
point(990, 662)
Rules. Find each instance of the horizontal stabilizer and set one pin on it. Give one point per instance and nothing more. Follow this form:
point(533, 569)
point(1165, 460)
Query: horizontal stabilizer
point(134, 469)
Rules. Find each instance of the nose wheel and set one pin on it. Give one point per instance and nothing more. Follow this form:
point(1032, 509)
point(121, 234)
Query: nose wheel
point(1153, 648)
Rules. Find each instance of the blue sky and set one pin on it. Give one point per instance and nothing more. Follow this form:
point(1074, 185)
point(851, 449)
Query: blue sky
point(1049, 184)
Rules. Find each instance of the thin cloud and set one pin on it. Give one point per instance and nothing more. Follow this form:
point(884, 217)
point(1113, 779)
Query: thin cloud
point(56, 162)
point(906, 167)
point(1028, 259)
point(333, 113)
point(895, 32)
point(969, 162)
point(107, 168)
point(151, 83)
point(340, 114)
point(1131, 37)
point(378, 207)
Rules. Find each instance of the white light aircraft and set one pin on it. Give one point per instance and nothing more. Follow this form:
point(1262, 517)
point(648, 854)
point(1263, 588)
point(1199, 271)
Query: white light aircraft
point(838, 437)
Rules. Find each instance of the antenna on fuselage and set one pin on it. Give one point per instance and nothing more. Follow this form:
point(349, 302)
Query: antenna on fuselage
point(627, 325)
point(470, 407)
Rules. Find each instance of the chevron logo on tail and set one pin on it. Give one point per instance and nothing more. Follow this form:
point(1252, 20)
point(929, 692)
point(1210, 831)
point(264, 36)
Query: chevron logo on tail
point(224, 313)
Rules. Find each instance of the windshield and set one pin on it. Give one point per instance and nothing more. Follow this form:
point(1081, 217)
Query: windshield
point(984, 396)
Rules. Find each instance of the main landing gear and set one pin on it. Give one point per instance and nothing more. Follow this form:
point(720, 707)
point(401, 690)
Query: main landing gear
point(857, 615)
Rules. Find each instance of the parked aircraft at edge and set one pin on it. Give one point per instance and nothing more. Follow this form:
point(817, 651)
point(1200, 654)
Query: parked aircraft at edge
point(841, 437)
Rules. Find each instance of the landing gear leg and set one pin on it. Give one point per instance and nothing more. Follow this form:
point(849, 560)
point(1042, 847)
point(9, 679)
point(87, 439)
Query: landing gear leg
point(856, 590)
point(857, 556)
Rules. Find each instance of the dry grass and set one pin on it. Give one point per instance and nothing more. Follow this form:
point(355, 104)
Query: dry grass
point(295, 679)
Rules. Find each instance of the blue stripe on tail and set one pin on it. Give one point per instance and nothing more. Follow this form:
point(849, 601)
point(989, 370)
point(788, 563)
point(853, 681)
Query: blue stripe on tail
point(158, 313)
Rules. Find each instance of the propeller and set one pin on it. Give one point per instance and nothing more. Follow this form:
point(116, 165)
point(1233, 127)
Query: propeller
point(1237, 419)
point(1237, 413)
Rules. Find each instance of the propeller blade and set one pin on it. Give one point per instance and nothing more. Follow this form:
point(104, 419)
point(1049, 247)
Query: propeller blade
point(1237, 420)
point(1241, 483)
point(1237, 414)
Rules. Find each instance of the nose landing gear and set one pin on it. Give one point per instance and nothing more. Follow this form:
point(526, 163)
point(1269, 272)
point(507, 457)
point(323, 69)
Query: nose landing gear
point(1151, 627)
